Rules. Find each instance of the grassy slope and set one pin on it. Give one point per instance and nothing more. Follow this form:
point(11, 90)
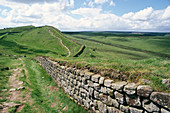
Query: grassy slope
point(31, 41)
point(141, 58)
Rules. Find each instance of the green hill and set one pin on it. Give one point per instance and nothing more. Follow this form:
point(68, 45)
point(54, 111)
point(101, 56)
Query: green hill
point(32, 40)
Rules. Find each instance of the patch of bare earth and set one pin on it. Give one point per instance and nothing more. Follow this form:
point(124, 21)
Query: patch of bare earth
point(15, 93)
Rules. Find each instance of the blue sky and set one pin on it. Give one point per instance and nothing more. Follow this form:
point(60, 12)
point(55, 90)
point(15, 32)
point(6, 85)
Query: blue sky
point(88, 15)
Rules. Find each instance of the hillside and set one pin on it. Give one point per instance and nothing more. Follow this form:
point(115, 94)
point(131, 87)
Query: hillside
point(30, 40)
point(24, 85)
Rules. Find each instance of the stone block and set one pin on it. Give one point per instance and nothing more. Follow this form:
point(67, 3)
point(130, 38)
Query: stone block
point(96, 86)
point(88, 75)
point(115, 103)
point(130, 88)
point(102, 107)
point(108, 82)
point(86, 87)
point(110, 91)
point(101, 80)
point(103, 98)
point(133, 100)
point(82, 73)
point(96, 94)
point(162, 99)
point(113, 110)
point(124, 109)
point(149, 106)
point(164, 110)
point(119, 97)
point(95, 78)
point(84, 80)
point(104, 90)
point(144, 90)
point(118, 86)
point(135, 110)
point(90, 83)
point(77, 72)
point(91, 90)
point(109, 101)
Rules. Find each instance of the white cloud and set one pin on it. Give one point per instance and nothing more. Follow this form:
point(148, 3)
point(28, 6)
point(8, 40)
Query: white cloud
point(143, 14)
point(166, 14)
point(87, 12)
point(112, 3)
point(100, 1)
point(58, 14)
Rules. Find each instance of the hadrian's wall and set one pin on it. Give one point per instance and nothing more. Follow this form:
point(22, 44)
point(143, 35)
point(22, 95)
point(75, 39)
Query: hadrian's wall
point(101, 95)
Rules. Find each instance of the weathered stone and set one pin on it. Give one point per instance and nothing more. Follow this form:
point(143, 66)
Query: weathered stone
point(10, 104)
point(88, 75)
point(102, 107)
point(133, 100)
point(103, 98)
point(95, 78)
point(91, 90)
point(110, 91)
point(13, 89)
point(118, 86)
point(119, 97)
point(90, 83)
point(20, 88)
point(130, 88)
point(108, 82)
point(96, 94)
point(93, 109)
point(104, 90)
point(144, 90)
point(166, 82)
point(113, 110)
point(82, 73)
point(164, 110)
point(124, 109)
point(84, 80)
point(101, 80)
point(109, 101)
point(134, 110)
point(96, 86)
point(77, 72)
point(86, 87)
point(162, 99)
point(149, 106)
point(115, 103)
point(97, 111)
point(87, 103)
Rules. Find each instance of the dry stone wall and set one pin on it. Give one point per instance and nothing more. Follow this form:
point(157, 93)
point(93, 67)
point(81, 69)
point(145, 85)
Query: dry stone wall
point(101, 95)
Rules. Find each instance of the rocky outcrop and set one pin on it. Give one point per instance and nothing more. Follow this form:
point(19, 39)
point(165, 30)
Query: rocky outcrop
point(101, 95)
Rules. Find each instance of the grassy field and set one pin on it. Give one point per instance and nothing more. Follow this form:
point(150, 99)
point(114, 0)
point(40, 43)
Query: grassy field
point(139, 56)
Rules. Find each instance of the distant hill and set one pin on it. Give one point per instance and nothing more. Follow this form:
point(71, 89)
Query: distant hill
point(30, 40)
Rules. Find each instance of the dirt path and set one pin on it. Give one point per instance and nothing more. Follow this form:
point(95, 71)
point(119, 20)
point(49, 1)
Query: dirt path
point(61, 43)
point(14, 92)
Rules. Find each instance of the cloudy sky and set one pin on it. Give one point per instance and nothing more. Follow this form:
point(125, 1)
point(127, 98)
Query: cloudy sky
point(88, 15)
